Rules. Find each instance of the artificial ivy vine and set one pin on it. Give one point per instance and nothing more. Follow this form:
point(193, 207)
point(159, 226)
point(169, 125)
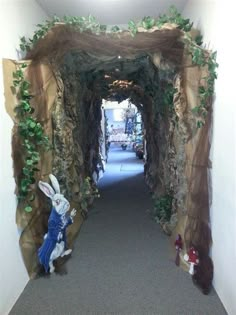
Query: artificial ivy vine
point(149, 22)
point(81, 24)
point(32, 137)
point(202, 58)
point(166, 101)
point(163, 208)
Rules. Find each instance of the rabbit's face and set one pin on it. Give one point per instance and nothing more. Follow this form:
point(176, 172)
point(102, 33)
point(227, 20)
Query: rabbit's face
point(60, 203)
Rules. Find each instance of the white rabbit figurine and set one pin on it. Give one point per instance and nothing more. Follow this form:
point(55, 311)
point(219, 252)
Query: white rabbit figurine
point(54, 244)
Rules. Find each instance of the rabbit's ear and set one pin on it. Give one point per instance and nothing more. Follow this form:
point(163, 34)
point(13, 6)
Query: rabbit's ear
point(55, 183)
point(46, 189)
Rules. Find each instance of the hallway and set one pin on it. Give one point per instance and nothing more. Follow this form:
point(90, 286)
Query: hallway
point(121, 263)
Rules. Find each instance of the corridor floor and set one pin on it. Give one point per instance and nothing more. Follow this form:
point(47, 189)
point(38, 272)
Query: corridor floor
point(122, 262)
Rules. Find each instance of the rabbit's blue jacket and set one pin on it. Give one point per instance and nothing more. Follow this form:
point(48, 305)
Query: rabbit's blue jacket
point(55, 226)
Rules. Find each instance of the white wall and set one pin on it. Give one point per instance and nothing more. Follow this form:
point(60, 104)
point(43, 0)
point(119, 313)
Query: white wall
point(17, 18)
point(216, 20)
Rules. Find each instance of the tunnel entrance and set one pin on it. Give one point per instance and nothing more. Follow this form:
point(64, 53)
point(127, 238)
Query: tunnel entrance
point(124, 144)
point(164, 73)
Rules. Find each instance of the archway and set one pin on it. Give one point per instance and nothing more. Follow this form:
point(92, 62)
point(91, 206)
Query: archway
point(165, 73)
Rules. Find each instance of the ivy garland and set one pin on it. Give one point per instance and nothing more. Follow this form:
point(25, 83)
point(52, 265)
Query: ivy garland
point(163, 208)
point(173, 17)
point(81, 24)
point(202, 58)
point(167, 98)
point(32, 137)
point(31, 131)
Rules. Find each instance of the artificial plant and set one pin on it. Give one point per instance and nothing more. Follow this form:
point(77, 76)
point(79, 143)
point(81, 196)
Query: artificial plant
point(33, 138)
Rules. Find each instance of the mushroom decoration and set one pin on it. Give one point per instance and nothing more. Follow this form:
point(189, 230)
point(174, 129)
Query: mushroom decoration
point(192, 258)
point(178, 247)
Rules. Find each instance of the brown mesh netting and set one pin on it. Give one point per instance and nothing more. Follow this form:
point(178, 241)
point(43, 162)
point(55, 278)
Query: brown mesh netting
point(64, 38)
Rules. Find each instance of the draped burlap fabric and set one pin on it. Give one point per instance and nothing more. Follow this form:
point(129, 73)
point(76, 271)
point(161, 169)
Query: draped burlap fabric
point(44, 89)
point(193, 211)
point(186, 164)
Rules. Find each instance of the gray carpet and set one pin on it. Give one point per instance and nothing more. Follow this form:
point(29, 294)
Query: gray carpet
point(121, 263)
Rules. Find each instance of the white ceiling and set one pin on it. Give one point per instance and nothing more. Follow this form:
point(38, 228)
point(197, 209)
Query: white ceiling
point(110, 12)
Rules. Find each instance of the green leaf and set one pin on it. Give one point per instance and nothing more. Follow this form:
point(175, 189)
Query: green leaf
point(131, 24)
point(23, 39)
point(115, 29)
point(103, 28)
point(196, 109)
point(32, 197)
point(25, 85)
point(200, 124)
point(32, 124)
point(28, 209)
point(29, 162)
point(213, 55)
point(198, 40)
point(26, 171)
point(56, 19)
point(19, 73)
point(22, 47)
point(91, 19)
point(15, 75)
point(35, 158)
point(24, 185)
point(25, 105)
point(32, 180)
point(148, 22)
point(28, 47)
point(201, 90)
point(25, 93)
point(16, 83)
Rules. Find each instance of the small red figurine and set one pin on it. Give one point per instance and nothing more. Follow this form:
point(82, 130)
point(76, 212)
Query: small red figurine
point(178, 247)
point(192, 258)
